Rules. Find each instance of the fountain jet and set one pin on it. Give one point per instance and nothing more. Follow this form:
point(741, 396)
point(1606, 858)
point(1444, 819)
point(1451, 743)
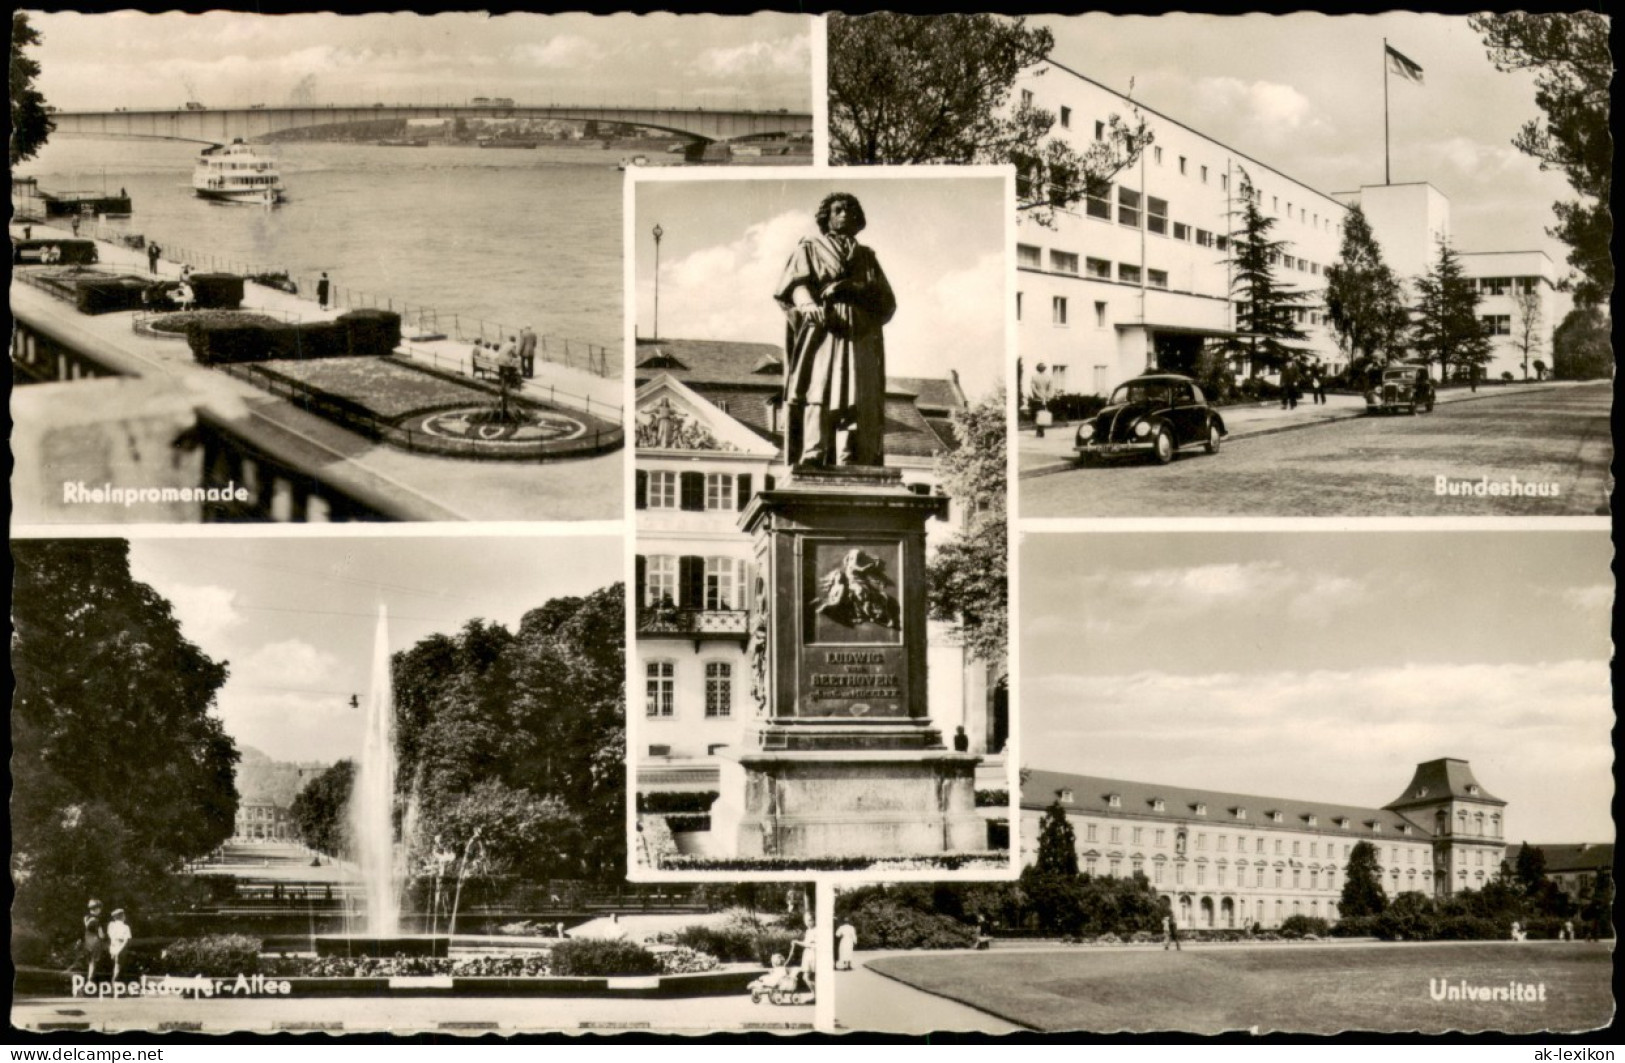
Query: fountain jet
point(372, 802)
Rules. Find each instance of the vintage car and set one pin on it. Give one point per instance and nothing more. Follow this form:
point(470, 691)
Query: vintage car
point(1403, 387)
point(1155, 414)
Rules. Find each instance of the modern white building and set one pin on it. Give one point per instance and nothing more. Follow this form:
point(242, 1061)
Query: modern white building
point(1231, 860)
point(1139, 278)
point(707, 438)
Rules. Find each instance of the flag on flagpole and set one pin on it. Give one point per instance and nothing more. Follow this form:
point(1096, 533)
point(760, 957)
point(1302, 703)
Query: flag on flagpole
point(1402, 66)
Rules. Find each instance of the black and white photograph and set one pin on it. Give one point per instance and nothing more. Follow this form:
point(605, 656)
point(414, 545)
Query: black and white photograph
point(1389, 231)
point(330, 268)
point(820, 599)
point(351, 785)
point(1278, 782)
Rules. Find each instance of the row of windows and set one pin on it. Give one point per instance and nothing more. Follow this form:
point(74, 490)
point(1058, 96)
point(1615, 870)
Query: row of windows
point(1136, 836)
point(1502, 285)
point(693, 491)
point(1497, 324)
point(660, 689)
point(1302, 214)
point(691, 582)
point(1441, 819)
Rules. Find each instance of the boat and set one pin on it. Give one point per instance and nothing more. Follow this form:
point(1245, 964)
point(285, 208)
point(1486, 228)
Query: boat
point(416, 143)
point(627, 163)
point(237, 173)
point(507, 142)
point(62, 204)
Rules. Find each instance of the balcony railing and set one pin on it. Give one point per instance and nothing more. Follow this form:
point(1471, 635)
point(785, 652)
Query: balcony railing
point(671, 621)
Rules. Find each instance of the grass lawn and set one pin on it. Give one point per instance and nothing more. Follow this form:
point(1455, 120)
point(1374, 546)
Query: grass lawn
point(1298, 989)
point(388, 387)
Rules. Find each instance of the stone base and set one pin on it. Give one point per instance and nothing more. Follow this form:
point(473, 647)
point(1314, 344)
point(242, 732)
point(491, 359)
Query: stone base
point(876, 803)
point(841, 733)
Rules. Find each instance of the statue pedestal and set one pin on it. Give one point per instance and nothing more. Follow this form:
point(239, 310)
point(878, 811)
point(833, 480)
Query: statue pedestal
point(842, 758)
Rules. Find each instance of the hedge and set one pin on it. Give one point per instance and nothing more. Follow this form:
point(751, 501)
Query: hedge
point(218, 956)
point(217, 291)
point(592, 958)
point(372, 332)
point(886, 924)
point(677, 801)
point(361, 332)
point(108, 296)
point(735, 943)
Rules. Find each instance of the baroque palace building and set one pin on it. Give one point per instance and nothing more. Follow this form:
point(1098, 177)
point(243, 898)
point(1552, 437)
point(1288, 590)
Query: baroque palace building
point(1137, 278)
point(1230, 860)
point(707, 438)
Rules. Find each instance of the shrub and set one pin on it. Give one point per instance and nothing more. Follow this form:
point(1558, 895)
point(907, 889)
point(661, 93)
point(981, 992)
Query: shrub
point(588, 958)
point(677, 801)
point(1302, 925)
point(214, 342)
point(1108, 938)
point(1257, 389)
point(217, 291)
point(992, 798)
point(218, 956)
point(372, 332)
point(685, 961)
point(736, 942)
point(1142, 937)
point(1356, 926)
point(682, 823)
point(886, 924)
point(1472, 928)
point(108, 295)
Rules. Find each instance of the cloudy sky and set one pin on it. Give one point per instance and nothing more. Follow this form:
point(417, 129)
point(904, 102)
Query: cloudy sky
point(1327, 665)
point(231, 59)
point(296, 617)
point(1303, 93)
point(940, 241)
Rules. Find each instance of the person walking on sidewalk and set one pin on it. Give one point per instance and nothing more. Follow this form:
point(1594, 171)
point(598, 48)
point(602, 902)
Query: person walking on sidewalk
point(1040, 393)
point(1289, 384)
point(527, 351)
point(153, 251)
point(323, 288)
point(1170, 934)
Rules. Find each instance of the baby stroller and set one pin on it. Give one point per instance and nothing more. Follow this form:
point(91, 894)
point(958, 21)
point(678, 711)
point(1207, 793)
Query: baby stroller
point(787, 982)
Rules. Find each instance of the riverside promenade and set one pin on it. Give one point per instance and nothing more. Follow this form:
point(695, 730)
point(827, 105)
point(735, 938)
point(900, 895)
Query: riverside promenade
point(63, 430)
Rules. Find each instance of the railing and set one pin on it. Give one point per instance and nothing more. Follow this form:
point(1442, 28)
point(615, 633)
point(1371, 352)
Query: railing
point(668, 621)
point(556, 396)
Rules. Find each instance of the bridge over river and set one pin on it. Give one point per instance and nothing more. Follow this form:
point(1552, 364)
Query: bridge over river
point(217, 125)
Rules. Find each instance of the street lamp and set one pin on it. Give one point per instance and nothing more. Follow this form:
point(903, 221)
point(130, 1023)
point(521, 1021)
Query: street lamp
point(658, 233)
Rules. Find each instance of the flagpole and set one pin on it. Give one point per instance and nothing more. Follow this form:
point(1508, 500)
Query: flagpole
point(1387, 176)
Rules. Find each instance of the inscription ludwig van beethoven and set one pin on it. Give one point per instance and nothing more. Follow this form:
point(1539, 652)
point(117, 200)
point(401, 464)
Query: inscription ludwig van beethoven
point(836, 300)
point(853, 661)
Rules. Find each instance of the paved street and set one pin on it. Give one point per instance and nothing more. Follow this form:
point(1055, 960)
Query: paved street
point(1357, 466)
point(865, 1000)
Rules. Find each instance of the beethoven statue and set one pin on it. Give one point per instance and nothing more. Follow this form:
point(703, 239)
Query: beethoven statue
point(855, 592)
point(835, 300)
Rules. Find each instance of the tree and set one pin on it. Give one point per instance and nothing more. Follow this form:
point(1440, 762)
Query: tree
point(1527, 323)
point(320, 811)
point(1573, 66)
point(1364, 301)
point(1362, 884)
point(121, 772)
point(1582, 346)
point(906, 89)
point(1447, 329)
point(1266, 312)
point(968, 576)
point(31, 121)
point(1529, 872)
point(1057, 843)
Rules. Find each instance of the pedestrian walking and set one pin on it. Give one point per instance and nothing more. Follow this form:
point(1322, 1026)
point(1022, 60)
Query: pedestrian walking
point(1170, 934)
point(323, 287)
point(118, 937)
point(1289, 385)
point(846, 942)
point(95, 937)
point(1317, 384)
point(1040, 393)
point(527, 351)
point(75, 224)
point(153, 251)
point(28, 232)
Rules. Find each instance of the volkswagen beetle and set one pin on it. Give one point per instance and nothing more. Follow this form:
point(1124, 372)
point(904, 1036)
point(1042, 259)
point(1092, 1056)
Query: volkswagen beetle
point(1155, 414)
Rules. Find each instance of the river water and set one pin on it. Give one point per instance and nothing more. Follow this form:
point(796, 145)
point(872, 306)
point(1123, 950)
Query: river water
point(509, 236)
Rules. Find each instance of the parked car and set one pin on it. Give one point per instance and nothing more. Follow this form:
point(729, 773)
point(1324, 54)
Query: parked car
point(1156, 414)
point(1403, 387)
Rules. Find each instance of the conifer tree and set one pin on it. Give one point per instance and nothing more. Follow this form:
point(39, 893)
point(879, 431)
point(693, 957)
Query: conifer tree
point(1447, 329)
point(1266, 310)
point(1364, 301)
point(1362, 884)
point(1057, 843)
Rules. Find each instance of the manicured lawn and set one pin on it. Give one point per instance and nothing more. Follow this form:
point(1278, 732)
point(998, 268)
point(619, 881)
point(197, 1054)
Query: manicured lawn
point(388, 387)
point(1292, 988)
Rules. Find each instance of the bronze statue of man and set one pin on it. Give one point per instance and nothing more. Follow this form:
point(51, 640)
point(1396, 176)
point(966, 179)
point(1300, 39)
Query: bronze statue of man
point(835, 300)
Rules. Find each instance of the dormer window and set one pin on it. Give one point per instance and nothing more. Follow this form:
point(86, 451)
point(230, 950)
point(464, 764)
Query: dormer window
point(659, 359)
point(1241, 813)
point(1158, 805)
point(1114, 800)
point(1276, 817)
point(1376, 828)
point(1313, 819)
point(1421, 792)
point(1201, 809)
point(1342, 821)
point(1064, 796)
point(1472, 791)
